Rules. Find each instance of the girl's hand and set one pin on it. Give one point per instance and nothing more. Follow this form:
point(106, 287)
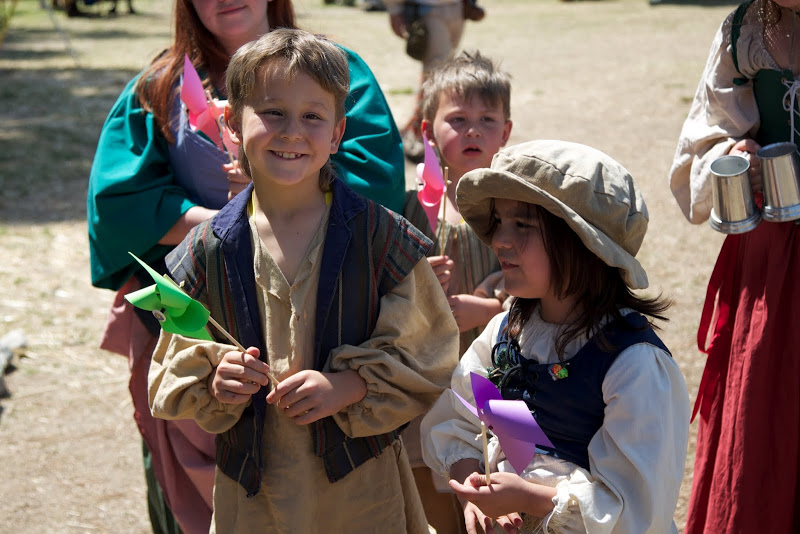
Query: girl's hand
point(475, 520)
point(237, 180)
point(509, 495)
point(443, 269)
point(748, 148)
point(471, 311)
point(238, 376)
point(310, 395)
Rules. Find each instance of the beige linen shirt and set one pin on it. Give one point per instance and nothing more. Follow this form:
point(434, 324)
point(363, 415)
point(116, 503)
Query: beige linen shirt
point(406, 365)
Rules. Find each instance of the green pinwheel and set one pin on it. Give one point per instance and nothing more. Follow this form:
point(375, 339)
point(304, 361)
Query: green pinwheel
point(177, 312)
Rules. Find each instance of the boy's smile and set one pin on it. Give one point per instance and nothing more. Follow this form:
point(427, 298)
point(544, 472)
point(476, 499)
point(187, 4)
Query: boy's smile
point(468, 132)
point(288, 128)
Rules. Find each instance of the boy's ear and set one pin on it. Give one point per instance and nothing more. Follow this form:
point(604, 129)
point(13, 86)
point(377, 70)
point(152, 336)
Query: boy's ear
point(506, 131)
point(338, 132)
point(234, 128)
point(427, 127)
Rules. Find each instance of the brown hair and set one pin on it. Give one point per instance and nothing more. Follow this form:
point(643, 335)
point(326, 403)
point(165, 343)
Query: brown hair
point(577, 271)
point(287, 53)
point(467, 75)
point(157, 86)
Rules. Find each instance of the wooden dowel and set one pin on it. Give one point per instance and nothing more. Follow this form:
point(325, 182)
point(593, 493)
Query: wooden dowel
point(486, 454)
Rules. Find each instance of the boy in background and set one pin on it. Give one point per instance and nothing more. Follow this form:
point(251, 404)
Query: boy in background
point(466, 109)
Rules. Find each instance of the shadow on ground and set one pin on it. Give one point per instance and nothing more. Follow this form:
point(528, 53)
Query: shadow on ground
point(51, 120)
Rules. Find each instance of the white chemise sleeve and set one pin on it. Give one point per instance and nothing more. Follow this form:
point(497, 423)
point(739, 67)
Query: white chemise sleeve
point(721, 114)
point(450, 432)
point(637, 457)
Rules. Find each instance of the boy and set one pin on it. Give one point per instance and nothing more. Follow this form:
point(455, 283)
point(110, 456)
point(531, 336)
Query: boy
point(279, 266)
point(466, 106)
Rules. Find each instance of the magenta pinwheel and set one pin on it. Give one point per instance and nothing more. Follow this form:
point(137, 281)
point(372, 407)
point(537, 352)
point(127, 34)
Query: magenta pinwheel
point(510, 420)
point(205, 114)
point(430, 174)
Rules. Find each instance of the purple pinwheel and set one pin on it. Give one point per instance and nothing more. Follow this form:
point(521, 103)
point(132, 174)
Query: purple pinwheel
point(510, 420)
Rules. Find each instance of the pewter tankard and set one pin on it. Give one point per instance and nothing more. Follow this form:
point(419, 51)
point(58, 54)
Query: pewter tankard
point(734, 211)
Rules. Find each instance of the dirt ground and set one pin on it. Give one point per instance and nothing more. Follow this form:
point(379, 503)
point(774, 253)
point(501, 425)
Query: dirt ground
point(617, 75)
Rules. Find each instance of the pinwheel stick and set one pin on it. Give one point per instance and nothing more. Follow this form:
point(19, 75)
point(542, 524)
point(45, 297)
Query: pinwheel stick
point(442, 242)
point(238, 345)
point(228, 335)
point(486, 454)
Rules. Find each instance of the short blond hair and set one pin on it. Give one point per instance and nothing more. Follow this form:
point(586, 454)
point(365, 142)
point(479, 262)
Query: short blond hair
point(467, 75)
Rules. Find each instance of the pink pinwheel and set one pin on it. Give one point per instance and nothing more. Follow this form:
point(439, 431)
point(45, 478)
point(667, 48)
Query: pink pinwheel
point(430, 174)
point(205, 114)
point(510, 420)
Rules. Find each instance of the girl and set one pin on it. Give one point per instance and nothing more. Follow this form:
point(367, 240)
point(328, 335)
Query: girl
point(577, 346)
point(749, 395)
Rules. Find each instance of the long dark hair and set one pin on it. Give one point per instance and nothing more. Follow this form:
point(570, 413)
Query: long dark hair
point(156, 86)
point(576, 271)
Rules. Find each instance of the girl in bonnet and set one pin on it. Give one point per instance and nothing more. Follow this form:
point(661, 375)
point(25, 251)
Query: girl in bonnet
point(577, 346)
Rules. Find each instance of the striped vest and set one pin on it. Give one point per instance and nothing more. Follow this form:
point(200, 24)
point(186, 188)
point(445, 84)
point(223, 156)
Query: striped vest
point(368, 250)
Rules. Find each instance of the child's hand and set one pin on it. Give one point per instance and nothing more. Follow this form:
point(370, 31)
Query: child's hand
point(476, 521)
point(508, 495)
point(237, 180)
point(310, 395)
point(471, 311)
point(443, 269)
point(238, 376)
point(748, 148)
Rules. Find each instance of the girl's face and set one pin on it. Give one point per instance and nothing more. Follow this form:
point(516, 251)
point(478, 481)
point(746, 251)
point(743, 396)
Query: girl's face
point(468, 133)
point(519, 245)
point(288, 128)
point(518, 241)
point(233, 22)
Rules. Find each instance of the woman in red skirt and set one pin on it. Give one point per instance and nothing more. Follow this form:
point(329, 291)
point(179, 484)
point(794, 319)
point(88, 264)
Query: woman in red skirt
point(747, 465)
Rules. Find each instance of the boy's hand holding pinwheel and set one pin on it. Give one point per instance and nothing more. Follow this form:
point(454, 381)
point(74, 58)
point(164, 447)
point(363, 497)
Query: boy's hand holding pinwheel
point(178, 313)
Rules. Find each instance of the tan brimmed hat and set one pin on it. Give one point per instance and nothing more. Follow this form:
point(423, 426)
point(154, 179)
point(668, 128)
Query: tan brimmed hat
point(594, 194)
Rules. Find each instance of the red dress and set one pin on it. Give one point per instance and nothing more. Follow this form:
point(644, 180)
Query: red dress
point(746, 466)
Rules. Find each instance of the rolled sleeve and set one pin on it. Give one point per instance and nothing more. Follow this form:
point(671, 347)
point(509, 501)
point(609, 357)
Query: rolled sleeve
point(177, 383)
point(132, 199)
point(721, 114)
point(407, 362)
